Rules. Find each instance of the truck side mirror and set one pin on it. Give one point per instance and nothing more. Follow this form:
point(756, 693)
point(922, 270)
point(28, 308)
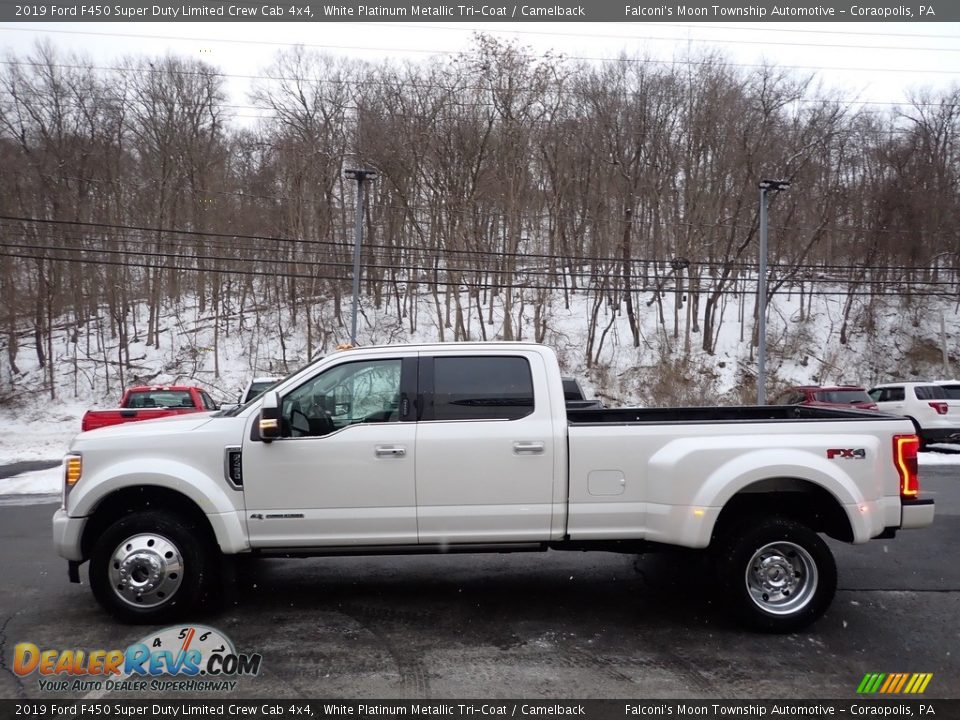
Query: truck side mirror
point(269, 421)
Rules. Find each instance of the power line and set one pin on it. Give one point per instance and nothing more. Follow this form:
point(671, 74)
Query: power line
point(356, 82)
point(497, 254)
point(488, 212)
point(793, 273)
point(527, 216)
point(493, 284)
point(549, 56)
point(692, 26)
point(351, 114)
point(391, 263)
point(630, 38)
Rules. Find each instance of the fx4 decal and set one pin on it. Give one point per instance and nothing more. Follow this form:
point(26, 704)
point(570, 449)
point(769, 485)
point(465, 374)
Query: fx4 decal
point(846, 453)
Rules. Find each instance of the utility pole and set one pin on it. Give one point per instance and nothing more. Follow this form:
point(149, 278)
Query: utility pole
point(766, 186)
point(359, 176)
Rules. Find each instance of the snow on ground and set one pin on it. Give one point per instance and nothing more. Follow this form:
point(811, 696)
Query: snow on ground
point(936, 458)
point(39, 482)
point(38, 432)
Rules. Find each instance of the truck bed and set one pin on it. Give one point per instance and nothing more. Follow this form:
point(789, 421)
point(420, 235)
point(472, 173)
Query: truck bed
point(746, 414)
point(95, 419)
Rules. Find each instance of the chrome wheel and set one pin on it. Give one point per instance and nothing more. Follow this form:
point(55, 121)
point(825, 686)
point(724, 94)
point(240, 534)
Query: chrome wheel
point(146, 570)
point(781, 578)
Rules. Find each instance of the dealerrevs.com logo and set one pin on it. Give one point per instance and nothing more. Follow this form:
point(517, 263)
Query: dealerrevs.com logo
point(178, 658)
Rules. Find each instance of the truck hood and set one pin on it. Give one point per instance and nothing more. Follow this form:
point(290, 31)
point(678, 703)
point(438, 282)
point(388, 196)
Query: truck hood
point(158, 426)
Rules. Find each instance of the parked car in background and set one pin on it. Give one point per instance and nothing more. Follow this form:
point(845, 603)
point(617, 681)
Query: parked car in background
point(839, 396)
point(149, 403)
point(575, 399)
point(256, 387)
point(935, 416)
point(951, 387)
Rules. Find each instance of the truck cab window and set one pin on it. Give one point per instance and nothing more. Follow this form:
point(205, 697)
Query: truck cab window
point(348, 394)
point(482, 388)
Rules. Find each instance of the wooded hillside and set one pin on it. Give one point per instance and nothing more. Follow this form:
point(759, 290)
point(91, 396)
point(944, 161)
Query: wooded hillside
point(504, 178)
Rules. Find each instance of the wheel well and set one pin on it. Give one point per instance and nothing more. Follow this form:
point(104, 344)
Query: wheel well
point(142, 497)
point(799, 500)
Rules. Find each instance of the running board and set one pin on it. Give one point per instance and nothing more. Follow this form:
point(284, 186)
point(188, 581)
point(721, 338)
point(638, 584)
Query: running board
point(349, 550)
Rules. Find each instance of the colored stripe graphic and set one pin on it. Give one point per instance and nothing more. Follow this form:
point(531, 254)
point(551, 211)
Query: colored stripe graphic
point(870, 683)
point(892, 683)
point(903, 681)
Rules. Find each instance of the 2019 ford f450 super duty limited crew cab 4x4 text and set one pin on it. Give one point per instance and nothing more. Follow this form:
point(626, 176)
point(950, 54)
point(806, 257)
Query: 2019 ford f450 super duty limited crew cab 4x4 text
point(469, 448)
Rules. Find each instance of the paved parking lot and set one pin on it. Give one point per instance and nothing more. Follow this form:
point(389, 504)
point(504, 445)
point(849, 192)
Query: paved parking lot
point(551, 625)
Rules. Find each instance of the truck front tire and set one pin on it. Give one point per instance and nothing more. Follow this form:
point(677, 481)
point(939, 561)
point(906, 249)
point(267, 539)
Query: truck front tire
point(151, 567)
point(778, 575)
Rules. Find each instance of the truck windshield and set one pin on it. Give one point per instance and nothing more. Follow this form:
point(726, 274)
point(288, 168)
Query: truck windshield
point(160, 399)
point(843, 396)
point(258, 388)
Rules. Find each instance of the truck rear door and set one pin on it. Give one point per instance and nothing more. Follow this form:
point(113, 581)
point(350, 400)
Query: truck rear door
point(485, 448)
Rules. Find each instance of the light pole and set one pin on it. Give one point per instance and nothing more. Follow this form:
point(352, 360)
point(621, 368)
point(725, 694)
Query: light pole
point(766, 186)
point(359, 176)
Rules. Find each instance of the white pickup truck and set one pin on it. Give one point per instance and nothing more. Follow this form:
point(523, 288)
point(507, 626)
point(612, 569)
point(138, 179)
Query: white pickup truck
point(469, 448)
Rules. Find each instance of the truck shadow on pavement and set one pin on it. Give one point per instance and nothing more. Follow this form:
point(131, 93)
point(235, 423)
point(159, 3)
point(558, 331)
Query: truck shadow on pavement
point(455, 591)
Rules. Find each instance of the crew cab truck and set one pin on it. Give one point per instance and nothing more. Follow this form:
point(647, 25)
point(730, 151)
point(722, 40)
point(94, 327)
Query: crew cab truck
point(469, 448)
point(149, 403)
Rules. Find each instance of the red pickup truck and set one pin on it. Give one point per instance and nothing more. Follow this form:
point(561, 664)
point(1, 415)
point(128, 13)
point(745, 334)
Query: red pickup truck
point(149, 403)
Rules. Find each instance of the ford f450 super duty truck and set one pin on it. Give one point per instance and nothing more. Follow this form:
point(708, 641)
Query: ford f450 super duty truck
point(469, 448)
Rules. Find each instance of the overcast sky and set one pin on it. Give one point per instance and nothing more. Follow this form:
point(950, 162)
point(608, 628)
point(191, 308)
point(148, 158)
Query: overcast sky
point(867, 62)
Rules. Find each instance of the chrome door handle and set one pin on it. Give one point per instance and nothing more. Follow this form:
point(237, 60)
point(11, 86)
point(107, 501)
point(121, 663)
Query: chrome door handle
point(390, 451)
point(528, 448)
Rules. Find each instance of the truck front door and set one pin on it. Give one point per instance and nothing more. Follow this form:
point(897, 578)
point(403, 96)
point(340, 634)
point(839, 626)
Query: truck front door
point(342, 474)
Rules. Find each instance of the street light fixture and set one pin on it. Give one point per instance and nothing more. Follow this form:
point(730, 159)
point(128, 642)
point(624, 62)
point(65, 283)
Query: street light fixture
point(359, 176)
point(766, 187)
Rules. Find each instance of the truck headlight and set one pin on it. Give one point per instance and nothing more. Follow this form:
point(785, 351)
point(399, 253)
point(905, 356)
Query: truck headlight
point(72, 470)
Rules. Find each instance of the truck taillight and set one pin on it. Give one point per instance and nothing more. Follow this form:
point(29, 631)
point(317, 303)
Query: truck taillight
point(905, 449)
point(940, 407)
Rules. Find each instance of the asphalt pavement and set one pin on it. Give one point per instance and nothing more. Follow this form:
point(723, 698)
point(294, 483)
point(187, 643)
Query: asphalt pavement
point(11, 469)
point(547, 625)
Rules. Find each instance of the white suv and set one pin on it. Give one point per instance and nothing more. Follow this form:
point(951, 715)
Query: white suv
point(934, 414)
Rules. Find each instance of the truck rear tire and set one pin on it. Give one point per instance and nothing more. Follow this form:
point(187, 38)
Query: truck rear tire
point(151, 567)
point(778, 575)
